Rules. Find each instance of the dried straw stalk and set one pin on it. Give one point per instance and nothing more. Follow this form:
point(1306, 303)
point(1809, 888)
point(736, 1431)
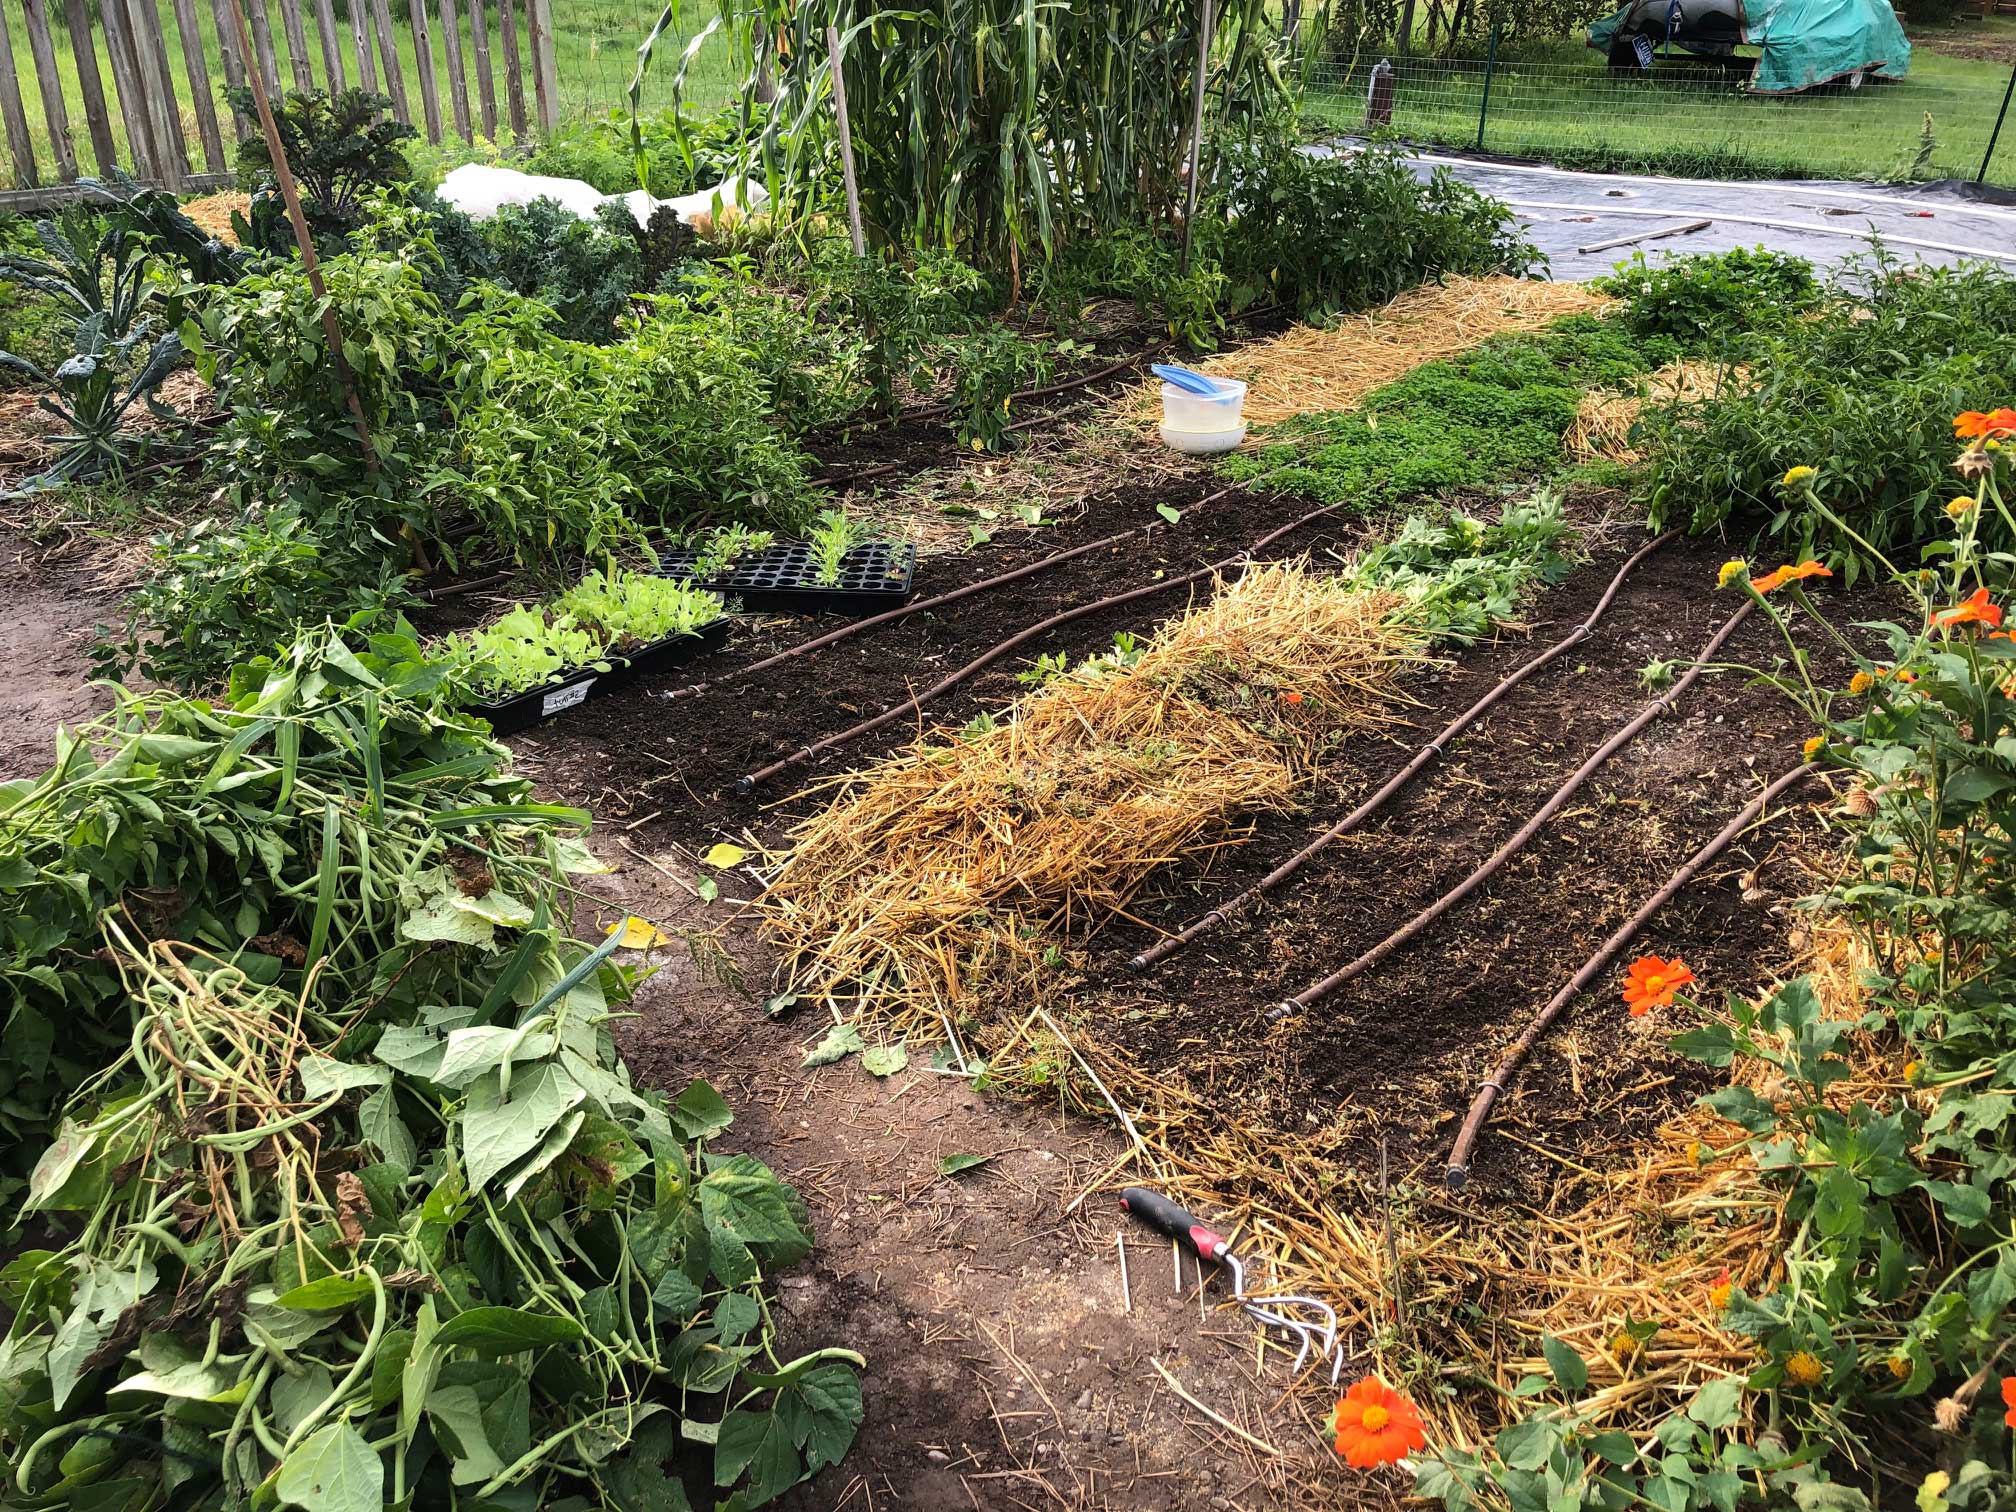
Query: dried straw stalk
point(1601, 430)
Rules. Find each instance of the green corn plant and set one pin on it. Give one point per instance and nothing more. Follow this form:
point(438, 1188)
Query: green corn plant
point(1002, 129)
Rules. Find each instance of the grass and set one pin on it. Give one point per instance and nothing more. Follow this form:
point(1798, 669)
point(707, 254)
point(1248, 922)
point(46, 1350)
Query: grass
point(1560, 102)
point(595, 53)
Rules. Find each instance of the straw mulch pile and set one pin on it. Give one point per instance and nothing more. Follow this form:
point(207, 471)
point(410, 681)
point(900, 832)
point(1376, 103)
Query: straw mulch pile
point(1314, 370)
point(1601, 430)
point(212, 213)
point(952, 868)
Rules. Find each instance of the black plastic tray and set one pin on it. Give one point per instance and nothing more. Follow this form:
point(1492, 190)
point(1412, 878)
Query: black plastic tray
point(523, 710)
point(781, 579)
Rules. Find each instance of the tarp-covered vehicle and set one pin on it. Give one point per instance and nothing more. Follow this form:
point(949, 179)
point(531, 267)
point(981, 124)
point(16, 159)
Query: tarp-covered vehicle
point(1801, 43)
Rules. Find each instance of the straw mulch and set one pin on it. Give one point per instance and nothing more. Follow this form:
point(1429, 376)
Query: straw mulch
point(212, 213)
point(1314, 370)
point(1601, 430)
point(952, 868)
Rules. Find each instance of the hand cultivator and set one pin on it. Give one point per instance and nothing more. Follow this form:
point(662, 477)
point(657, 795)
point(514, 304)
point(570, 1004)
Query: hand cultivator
point(1315, 1337)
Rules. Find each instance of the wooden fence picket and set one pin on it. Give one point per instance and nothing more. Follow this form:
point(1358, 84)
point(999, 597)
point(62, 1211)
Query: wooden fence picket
point(200, 96)
point(235, 77)
point(124, 59)
point(423, 67)
point(360, 46)
point(90, 84)
point(262, 43)
point(486, 90)
point(388, 52)
point(332, 47)
point(514, 71)
point(43, 46)
point(172, 149)
point(20, 145)
point(458, 81)
point(297, 46)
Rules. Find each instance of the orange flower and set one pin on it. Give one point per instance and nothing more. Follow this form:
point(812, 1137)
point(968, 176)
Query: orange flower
point(1805, 1369)
point(2009, 1400)
point(1291, 698)
point(1789, 574)
point(1652, 982)
point(1973, 610)
point(1722, 1290)
point(1973, 425)
point(1376, 1425)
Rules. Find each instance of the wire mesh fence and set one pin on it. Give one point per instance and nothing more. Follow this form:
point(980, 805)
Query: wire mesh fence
point(1680, 117)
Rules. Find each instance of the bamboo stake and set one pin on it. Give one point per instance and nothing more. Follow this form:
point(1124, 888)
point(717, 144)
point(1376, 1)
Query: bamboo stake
point(847, 141)
point(1196, 127)
point(331, 331)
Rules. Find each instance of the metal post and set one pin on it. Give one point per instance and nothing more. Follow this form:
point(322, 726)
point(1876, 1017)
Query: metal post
point(2000, 116)
point(1490, 63)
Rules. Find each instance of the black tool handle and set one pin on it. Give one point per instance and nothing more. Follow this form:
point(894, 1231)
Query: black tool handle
point(1174, 1221)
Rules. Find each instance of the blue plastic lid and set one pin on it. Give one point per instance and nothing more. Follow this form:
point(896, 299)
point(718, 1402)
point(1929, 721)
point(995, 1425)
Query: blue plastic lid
point(1188, 381)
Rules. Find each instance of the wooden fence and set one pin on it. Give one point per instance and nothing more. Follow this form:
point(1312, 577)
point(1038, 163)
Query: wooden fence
point(172, 131)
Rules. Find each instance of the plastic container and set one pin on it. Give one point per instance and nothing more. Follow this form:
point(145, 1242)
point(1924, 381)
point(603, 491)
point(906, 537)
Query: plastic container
point(521, 711)
point(1200, 426)
point(783, 579)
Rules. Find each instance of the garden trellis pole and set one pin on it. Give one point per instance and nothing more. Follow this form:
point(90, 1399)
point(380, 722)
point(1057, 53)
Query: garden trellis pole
point(1490, 66)
point(331, 331)
point(1197, 126)
point(1995, 135)
point(847, 141)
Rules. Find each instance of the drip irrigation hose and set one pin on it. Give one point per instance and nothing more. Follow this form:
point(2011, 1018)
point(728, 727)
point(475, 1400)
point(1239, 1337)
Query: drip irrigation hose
point(933, 411)
point(1170, 944)
point(1519, 841)
point(1488, 1094)
point(909, 705)
point(820, 643)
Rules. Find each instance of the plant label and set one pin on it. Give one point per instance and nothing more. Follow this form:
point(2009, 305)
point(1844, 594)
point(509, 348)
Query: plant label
point(565, 698)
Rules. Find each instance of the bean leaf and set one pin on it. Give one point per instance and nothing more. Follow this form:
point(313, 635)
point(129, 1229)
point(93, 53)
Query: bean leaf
point(505, 1331)
point(952, 1165)
point(334, 1470)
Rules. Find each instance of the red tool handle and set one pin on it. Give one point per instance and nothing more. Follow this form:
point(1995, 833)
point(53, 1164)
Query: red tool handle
point(1171, 1219)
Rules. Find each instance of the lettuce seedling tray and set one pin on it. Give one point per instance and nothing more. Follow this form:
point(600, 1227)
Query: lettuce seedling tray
point(521, 711)
point(784, 579)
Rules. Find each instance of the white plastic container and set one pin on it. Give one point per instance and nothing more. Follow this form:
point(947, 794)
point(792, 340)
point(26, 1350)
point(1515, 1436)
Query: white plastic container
point(1202, 426)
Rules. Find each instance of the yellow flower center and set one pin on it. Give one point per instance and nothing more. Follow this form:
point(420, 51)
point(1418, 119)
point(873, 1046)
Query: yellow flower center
point(1719, 1294)
point(1374, 1418)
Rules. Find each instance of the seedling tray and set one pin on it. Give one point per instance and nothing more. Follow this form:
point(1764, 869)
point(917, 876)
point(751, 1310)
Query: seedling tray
point(521, 711)
point(782, 579)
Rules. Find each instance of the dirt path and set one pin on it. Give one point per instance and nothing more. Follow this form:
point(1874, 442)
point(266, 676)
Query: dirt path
point(46, 619)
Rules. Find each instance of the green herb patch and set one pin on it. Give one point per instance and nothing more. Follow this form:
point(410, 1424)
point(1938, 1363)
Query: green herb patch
point(1492, 416)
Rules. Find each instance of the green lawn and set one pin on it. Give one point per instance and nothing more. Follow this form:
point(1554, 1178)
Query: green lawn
point(595, 53)
point(1561, 102)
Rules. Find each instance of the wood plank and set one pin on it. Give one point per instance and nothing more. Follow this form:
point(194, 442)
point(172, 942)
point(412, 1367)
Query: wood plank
point(514, 71)
point(234, 62)
point(91, 85)
point(171, 164)
point(201, 96)
point(360, 46)
point(458, 81)
point(332, 47)
point(262, 45)
point(297, 46)
point(43, 46)
point(486, 87)
point(124, 58)
point(423, 68)
point(545, 71)
point(388, 54)
point(160, 77)
point(20, 145)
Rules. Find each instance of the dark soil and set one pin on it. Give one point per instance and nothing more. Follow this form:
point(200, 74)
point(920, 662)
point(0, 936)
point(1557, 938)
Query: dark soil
point(46, 616)
point(1400, 1051)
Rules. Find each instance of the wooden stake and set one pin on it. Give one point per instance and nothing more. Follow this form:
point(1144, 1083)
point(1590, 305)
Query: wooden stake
point(332, 333)
point(1197, 126)
point(847, 141)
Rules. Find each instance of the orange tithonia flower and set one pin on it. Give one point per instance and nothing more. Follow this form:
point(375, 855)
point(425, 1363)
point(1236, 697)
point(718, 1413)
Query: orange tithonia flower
point(1814, 746)
point(1722, 1290)
point(1779, 577)
point(1291, 698)
point(1625, 1346)
point(1805, 1369)
point(1376, 1425)
point(2009, 1400)
point(1860, 683)
point(1973, 425)
point(1899, 1366)
point(1652, 982)
point(1973, 610)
